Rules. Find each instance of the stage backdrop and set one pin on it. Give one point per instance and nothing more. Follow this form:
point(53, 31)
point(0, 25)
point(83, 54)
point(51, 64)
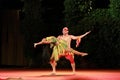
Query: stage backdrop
point(11, 39)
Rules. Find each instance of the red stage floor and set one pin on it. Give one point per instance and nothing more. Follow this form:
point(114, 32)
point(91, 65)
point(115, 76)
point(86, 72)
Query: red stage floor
point(60, 75)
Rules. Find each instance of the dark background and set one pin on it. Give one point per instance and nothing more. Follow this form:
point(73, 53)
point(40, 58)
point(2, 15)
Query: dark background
point(23, 23)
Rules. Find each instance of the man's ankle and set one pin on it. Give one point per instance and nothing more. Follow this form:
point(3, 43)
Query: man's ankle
point(73, 72)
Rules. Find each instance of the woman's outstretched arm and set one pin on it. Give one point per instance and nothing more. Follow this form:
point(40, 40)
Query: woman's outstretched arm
point(43, 41)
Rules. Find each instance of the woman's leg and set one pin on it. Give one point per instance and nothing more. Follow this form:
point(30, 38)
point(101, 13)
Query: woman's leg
point(79, 53)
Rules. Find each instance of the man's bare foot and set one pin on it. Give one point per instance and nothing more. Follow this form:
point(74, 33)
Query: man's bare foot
point(73, 72)
point(53, 73)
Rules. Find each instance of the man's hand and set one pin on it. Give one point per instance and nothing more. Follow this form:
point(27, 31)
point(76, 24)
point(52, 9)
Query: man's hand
point(78, 42)
point(88, 32)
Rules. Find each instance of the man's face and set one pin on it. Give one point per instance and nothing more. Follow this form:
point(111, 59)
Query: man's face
point(65, 30)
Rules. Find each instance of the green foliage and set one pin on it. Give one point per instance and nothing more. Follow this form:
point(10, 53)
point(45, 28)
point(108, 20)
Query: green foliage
point(115, 8)
point(104, 36)
point(75, 10)
point(103, 43)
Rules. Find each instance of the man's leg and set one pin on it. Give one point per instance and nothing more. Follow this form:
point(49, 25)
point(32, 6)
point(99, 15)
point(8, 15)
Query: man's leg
point(73, 67)
point(70, 57)
point(53, 64)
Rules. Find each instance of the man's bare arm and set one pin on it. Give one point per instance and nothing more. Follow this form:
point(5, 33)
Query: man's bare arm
point(81, 36)
point(78, 38)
